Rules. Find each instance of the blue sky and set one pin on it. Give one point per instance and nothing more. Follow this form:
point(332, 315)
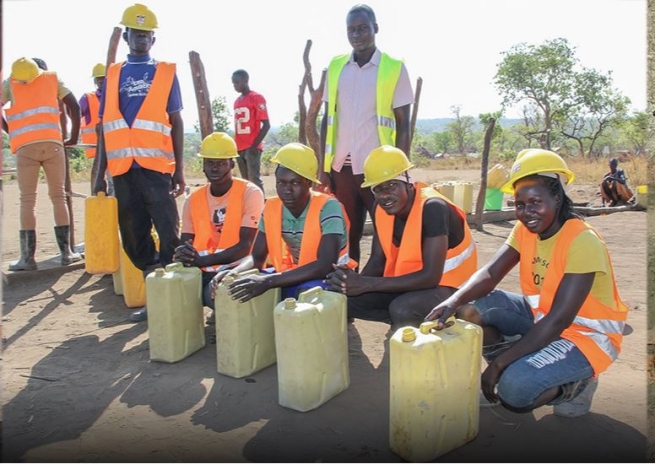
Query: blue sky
point(454, 46)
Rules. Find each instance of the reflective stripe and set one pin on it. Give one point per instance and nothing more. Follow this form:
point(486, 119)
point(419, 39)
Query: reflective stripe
point(33, 127)
point(114, 125)
point(87, 130)
point(603, 342)
point(539, 316)
point(604, 326)
point(141, 152)
point(330, 120)
point(533, 301)
point(344, 259)
point(328, 148)
point(151, 126)
point(386, 122)
point(32, 112)
point(456, 261)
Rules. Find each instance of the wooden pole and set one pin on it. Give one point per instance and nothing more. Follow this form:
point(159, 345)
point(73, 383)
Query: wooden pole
point(417, 98)
point(315, 100)
point(202, 95)
point(306, 82)
point(479, 204)
point(69, 200)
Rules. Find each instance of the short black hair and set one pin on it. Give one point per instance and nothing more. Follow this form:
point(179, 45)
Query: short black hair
point(40, 63)
point(614, 161)
point(362, 8)
point(241, 72)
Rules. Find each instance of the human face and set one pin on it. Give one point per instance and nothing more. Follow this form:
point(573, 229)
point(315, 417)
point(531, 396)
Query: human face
point(140, 42)
point(292, 189)
point(361, 31)
point(536, 207)
point(239, 82)
point(217, 171)
point(393, 197)
point(99, 81)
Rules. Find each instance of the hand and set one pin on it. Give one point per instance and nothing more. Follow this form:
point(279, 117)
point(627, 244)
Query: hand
point(346, 281)
point(324, 186)
point(442, 311)
point(178, 184)
point(69, 142)
point(249, 287)
point(187, 255)
point(490, 378)
point(218, 278)
point(100, 185)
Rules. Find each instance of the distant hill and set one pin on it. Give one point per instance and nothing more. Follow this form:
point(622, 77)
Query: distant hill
point(428, 126)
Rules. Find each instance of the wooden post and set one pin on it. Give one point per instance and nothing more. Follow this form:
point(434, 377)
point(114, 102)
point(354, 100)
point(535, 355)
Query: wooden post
point(479, 204)
point(112, 49)
point(417, 98)
point(69, 200)
point(202, 95)
point(315, 99)
point(302, 108)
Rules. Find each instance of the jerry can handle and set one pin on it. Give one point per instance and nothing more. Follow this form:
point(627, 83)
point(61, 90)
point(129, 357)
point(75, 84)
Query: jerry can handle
point(307, 295)
point(426, 327)
point(174, 267)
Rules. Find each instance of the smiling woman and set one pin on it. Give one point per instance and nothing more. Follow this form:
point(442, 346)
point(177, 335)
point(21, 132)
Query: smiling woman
point(568, 322)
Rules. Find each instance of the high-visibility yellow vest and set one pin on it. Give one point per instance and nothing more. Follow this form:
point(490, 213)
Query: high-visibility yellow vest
point(388, 75)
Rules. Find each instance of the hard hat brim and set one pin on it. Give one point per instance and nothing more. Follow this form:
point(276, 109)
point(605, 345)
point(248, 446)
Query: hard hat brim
point(508, 187)
point(392, 175)
point(200, 155)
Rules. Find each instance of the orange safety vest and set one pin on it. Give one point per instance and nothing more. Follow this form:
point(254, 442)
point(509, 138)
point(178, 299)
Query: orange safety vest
point(278, 252)
point(461, 262)
point(597, 329)
point(203, 240)
point(88, 131)
point(34, 113)
point(149, 140)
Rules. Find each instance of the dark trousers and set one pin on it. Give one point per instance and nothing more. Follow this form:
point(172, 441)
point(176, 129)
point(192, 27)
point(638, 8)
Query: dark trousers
point(250, 166)
point(144, 199)
point(356, 201)
point(399, 309)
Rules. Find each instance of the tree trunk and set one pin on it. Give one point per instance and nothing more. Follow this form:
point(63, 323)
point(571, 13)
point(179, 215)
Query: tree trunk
point(302, 108)
point(417, 98)
point(202, 95)
point(316, 96)
point(479, 204)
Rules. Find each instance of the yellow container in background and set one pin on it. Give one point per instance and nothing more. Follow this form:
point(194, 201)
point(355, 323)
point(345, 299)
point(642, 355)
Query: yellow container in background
point(434, 399)
point(642, 196)
point(132, 282)
point(245, 333)
point(118, 283)
point(311, 341)
point(101, 244)
point(463, 196)
point(176, 328)
point(447, 189)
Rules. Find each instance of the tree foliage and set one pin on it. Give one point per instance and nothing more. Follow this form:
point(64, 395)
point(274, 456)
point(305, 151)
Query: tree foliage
point(221, 116)
point(461, 129)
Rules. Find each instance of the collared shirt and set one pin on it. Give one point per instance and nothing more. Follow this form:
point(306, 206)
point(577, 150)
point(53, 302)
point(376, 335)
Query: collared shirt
point(357, 127)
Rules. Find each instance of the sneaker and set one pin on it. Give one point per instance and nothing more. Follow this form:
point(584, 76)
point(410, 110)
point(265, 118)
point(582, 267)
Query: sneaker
point(139, 315)
point(580, 402)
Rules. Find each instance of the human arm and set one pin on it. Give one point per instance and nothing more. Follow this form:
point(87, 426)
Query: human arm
point(177, 134)
point(187, 254)
point(252, 286)
point(403, 132)
point(481, 283)
point(73, 109)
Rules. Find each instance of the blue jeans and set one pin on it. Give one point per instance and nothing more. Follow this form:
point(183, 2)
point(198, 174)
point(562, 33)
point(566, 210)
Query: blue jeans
point(294, 290)
point(558, 363)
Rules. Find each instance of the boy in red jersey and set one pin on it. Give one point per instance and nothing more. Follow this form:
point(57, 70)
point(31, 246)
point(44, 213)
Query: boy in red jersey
point(250, 127)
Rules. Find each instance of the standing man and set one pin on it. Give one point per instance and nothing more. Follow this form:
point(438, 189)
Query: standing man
point(89, 107)
point(219, 220)
point(33, 122)
point(251, 125)
point(143, 141)
point(422, 251)
point(367, 104)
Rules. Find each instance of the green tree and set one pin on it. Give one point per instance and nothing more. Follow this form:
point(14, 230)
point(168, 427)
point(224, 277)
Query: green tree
point(221, 116)
point(634, 132)
point(442, 141)
point(461, 129)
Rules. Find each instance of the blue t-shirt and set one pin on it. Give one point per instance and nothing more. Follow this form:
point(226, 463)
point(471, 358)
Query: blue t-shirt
point(135, 80)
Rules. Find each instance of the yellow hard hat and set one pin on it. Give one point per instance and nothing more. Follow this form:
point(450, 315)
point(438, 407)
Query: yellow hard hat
point(299, 158)
point(99, 70)
point(384, 163)
point(218, 145)
point(537, 161)
point(139, 17)
point(25, 69)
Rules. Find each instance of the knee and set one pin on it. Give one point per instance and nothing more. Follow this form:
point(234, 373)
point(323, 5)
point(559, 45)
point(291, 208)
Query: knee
point(469, 314)
point(401, 314)
point(515, 393)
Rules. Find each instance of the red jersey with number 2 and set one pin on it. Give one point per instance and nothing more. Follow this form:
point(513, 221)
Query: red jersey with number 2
point(249, 111)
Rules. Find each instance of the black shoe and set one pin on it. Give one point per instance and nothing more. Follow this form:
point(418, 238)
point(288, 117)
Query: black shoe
point(139, 315)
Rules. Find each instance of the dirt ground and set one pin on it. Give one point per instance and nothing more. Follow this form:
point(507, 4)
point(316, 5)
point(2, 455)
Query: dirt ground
point(79, 386)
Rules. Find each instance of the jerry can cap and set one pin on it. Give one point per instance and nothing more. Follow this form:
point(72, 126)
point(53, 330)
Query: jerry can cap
point(159, 272)
point(290, 303)
point(409, 334)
